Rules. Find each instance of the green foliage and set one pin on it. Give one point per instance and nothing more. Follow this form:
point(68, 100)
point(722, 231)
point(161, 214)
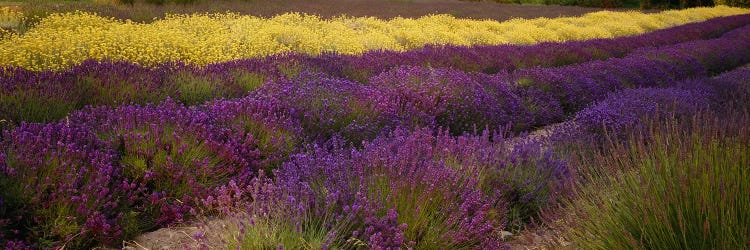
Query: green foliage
point(92, 91)
point(33, 106)
point(684, 188)
point(264, 233)
point(192, 89)
point(248, 81)
point(735, 3)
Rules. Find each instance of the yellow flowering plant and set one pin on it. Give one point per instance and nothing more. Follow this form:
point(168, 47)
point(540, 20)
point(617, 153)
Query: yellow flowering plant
point(62, 40)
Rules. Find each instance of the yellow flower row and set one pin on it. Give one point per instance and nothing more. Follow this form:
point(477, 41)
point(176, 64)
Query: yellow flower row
point(62, 40)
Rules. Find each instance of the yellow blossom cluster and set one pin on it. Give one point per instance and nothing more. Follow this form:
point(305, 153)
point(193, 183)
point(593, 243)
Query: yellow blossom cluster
point(62, 40)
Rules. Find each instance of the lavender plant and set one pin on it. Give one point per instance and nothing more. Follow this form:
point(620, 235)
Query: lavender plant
point(625, 110)
point(681, 186)
point(60, 187)
point(328, 106)
point(445, 98)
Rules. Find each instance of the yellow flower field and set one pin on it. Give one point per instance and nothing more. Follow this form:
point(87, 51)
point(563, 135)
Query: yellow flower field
point(62, 40)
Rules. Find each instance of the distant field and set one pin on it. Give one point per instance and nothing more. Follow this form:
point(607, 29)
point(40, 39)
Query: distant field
point(63, 40)
point(328, 8)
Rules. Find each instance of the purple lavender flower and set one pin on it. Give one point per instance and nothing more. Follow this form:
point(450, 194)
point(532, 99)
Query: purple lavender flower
point(57, 182)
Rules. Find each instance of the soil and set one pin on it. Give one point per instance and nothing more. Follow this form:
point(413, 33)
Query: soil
point(180, 237)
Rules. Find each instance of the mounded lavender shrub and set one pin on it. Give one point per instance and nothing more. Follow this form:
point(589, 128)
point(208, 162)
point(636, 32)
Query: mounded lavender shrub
point(445, 98)
point(397, 192)
point(33, 96)
point(328, 106)
point(177, 155)
point(624, 110)
point(420, 189)
point(267, 134)
point(730, 90)
point(60, 186)
point(104, 174)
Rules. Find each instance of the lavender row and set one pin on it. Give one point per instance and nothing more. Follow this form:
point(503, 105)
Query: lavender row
point(49, 96)
point(105, 174)
point(422, 96)
point(535, 97)
point(426, 189)
point(625, 110)
point(464, 102)
point(507, 58)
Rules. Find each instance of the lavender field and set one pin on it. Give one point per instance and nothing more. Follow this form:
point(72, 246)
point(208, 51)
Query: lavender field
point(624, 142)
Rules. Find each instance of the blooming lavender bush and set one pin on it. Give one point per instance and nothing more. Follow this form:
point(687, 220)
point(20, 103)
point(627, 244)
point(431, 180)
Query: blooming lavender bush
point(266, 134)
point(447, 98)
point(327, 106)
point(396, 193)
point(416, 189)
point(732, 89)
point(623, 111)
point(170, 152)
point(177, 155)
point(60, 187)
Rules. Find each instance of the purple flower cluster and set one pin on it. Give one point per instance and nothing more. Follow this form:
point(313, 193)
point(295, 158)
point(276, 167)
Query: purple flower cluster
point(107, 173)
point(325, 106)
point(449, 98)
point(732, 88)
point(439, 190)
point(62, 181)
point(624, 110)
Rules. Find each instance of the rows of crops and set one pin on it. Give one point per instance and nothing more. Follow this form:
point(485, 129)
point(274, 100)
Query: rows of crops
point(426, 148)
point(62, 40)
